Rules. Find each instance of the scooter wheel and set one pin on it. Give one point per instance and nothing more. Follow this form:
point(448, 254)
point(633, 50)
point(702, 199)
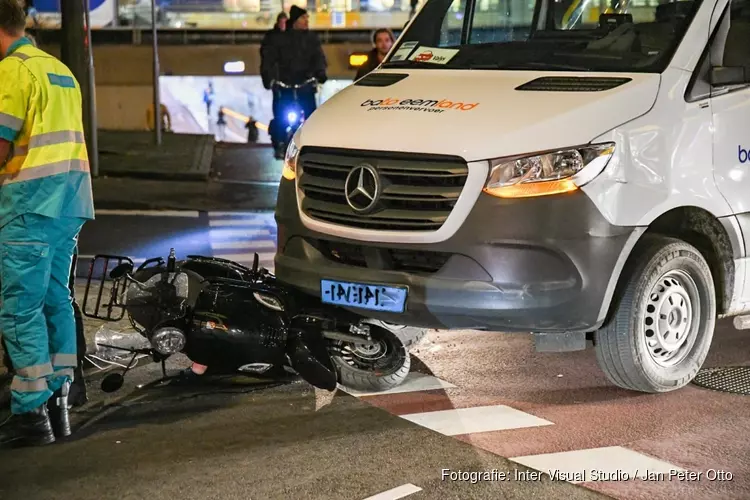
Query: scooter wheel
point(377, 367)
point(410, 336)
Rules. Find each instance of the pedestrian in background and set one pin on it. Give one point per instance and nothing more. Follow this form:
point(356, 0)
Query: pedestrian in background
point(45, 198)
point(268, 72)
point(166, 118)
point(221, 123)
point(208, 97)
point(382, 41)
point(252, 130)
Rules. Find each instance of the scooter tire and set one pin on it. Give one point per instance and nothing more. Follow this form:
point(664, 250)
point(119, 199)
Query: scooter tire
point(365, 382)
point(352, 377)
point(409, 335)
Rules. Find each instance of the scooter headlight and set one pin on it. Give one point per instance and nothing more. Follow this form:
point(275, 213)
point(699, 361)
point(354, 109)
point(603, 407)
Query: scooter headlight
point(554, 172)
point(168, 340)
point(292, 117)
point(290, 160)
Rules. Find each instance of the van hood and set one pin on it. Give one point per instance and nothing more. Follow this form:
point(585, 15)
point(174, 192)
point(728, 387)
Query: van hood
point(476, 115)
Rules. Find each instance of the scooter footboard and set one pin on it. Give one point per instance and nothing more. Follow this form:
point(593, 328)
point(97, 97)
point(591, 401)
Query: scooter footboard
point(101, 299)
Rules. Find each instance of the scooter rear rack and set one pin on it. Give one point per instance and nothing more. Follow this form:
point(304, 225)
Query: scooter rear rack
point(106, 305)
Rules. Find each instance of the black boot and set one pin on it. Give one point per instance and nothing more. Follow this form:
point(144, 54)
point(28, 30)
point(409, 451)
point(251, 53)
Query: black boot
point(78, 396)
point(27, 429)
point(58, 411)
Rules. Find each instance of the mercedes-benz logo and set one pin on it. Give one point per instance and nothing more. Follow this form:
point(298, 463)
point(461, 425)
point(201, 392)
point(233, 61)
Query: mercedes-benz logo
point(362, 188)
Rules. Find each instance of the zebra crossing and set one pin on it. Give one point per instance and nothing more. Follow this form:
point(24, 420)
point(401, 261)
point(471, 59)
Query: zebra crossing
point(235, 236)
point(238, 236)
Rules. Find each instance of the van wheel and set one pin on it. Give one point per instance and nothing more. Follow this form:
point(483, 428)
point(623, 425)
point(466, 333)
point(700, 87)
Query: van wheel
point(658, 337)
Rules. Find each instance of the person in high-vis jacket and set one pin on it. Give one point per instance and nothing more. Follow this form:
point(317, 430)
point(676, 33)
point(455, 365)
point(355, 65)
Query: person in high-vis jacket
point(45, 198)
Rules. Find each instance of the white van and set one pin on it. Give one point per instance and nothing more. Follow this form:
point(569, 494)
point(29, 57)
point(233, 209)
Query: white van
point(576, 169)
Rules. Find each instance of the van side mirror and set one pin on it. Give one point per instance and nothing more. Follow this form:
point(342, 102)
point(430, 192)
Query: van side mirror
point(728, 75)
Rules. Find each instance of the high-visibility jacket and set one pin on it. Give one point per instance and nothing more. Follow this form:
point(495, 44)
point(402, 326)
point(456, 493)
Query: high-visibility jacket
point(47, 172)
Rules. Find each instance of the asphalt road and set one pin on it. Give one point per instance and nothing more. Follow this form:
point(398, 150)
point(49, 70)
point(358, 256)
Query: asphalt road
point(472, 399)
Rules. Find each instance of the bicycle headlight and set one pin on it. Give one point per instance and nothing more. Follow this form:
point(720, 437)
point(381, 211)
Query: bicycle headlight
point(290, 161)
point(543, 174)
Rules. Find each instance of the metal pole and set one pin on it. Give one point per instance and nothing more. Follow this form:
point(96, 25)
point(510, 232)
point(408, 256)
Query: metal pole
point(116, 19)
point(74, 52)
point(93, 140)
point(157, 97)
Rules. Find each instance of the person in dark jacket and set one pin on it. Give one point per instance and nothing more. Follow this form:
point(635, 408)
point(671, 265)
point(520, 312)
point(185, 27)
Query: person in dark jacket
point(269, 39)
point(252, 130)
point(267, 71)
point(294, 57)
point(382, 40)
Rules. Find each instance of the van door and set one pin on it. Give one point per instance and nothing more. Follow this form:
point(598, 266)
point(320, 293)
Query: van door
point(730, 105)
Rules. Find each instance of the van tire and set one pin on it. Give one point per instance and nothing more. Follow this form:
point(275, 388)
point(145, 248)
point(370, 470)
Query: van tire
point(409, 335)
point(669, 295)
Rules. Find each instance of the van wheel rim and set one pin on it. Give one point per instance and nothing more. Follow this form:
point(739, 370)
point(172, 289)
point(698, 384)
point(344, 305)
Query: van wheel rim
point(671, 318)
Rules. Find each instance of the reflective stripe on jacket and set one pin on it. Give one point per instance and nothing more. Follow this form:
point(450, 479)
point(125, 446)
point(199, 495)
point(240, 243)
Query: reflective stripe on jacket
point(41, 113)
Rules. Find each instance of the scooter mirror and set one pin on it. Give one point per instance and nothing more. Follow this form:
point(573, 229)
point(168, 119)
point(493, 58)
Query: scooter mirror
point(112, 382)
point(256, 262)
point(121, 270)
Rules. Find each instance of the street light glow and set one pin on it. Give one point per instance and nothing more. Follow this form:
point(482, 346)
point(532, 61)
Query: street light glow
point(234, 67)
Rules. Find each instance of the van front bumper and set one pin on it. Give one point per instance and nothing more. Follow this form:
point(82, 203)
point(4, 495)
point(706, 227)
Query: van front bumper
point(546, 264)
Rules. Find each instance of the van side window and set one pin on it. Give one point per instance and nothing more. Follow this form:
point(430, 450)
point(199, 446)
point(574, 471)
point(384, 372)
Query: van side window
point(737, 46)
point(453, 22)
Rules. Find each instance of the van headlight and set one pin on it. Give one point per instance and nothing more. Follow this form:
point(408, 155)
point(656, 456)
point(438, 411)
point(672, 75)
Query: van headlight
point(543, 174)
point(290, 160)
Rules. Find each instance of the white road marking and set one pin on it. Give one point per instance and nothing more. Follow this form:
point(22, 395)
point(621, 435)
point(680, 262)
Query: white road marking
point(394, 494)
point(597, 464)
point(247, 257)
point(240, 214)
point(150, 213)
point(244, 245)
point(225, 234)
point(478, 419)
point(414, 382)
point(239, 223)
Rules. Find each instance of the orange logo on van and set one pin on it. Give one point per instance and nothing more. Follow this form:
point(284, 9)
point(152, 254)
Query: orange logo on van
point(430, 105)
point(424, 56)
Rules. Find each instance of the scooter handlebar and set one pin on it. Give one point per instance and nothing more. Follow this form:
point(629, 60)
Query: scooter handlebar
point(283, 85)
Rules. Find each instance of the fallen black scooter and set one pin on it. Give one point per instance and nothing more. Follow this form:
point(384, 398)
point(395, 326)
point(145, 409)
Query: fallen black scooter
point(234, 318)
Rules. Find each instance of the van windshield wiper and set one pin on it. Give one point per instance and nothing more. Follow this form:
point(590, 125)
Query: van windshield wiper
point(530, 65)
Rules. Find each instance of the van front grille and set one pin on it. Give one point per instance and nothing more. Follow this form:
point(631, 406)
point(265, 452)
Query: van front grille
point(390, 259)
point(418, 192)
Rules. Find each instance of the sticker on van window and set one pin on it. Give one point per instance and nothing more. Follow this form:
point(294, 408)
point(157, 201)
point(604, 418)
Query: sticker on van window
point(434, 55)
point(403, 52)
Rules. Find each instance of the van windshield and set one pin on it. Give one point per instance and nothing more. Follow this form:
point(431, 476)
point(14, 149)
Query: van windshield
point(545, 35)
